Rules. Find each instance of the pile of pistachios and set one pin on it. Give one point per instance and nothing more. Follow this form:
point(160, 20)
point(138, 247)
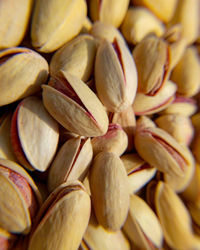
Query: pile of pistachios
point(99, 124)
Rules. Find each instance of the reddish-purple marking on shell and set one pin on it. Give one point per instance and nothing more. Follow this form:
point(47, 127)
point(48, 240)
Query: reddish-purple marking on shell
point(143, 167)
point(181, 99)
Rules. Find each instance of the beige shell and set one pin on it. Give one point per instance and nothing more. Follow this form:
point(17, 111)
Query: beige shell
point(56, 22)
point(71, 162)
point(14, 18)
point(83, 115)
point(22, 71)
point(140, 22)
point(76, 57)
point(109, 190)
point(63, 219)
point(109, 11)
point(115, 75)
point(146, 105)
point(32, 119)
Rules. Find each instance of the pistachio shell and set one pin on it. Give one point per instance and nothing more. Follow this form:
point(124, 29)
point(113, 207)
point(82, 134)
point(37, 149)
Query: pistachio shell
point(163, 10)
point(186, 74)
point(142, 225)
point(109, 189)
point(83, 115)
point(31, 118)
point(17, 188)
point(115, 140)
point(115, 75)
point(152, 59)
point(96, 237)
point(140, 22)
point(6, 151)
point(106, 31)
point(196, 147)
point(146, 105)
point(6, 240)
point(22, 71)
point(66, 210)
point(14, 18)
point(127, 121)
point(109, 11)
point(71, 162)
point(175, 219)
point(162, 151)
point(56, 22)
point(179, 126)
point(87, 26)
point(194, 209)
point(139, 173)
point(187, 14)
point(76, 57)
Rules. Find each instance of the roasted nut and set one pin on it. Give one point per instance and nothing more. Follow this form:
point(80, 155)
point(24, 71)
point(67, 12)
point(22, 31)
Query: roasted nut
point(34, 134)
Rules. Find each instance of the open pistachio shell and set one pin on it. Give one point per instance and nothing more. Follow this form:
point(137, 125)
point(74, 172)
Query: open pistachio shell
point(186, 74)
point(19, 198)
point(181, 105)
point(163, 10)
point(63, 219)
point(115, 75)
point(142, 226)
point(106, 31)
point(175, 219)
point(109, 11)
point(6, 151)
point(96, 237)
point(109, 190)
point(140, 22)
point(76, 57)
point(14, 17)
point(115, 140)
point(146, 105)
point(179, 126)
point(22, 71)
point(162, 151)
point(31, 118)
point(127, 121)
point(152, 59)
point(56, 22)
point(71, 102)
point(6, 240)
point(138, 171)
point(71, 162)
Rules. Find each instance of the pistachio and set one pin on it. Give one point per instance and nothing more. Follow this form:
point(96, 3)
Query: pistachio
point(115, 75)
point(162, 151)
point(66, 212)
point(187, 14)
point(6, 240)
point(152, 58)
point(146, 105)
point(194, 209)
point(142, 225)
point(87, 26)
point(181, 105)
point(178, 231)
point(109, 11)
point(74, 105)
point(56, 22)
point(106, 31)
point(186, 74)
point(31, 118)
point(76, 57)
point(140, 22)
point(6, 151)
point(145, 122)
point(127, 121)
point(14, 17)
point(115, 140)
point(110, 190)
point(196, 147)
point(163, 10)
point(139, 172)
point(71, 162)
point(179, 126)
point(96, 237)
point(19, 198)
point(22, 71)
